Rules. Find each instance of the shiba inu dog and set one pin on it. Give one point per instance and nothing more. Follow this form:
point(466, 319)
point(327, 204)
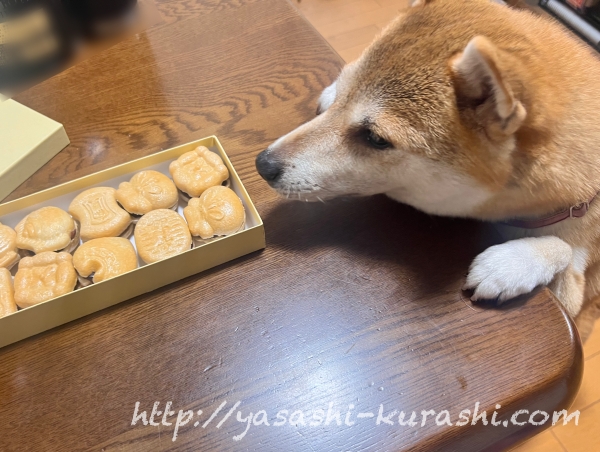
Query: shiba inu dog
point(468, 108)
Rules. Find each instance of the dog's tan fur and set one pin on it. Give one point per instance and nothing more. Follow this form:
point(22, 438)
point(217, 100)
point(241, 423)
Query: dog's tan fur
point(492, 113)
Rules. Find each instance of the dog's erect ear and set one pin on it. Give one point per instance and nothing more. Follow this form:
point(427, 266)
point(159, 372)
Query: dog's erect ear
point(327, 98)
point(480, 84)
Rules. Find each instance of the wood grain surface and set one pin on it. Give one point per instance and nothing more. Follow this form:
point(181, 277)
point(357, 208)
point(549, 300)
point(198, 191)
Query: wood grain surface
point(354, 302)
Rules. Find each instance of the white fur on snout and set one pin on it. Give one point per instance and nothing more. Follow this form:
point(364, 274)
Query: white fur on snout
point(327, 97)
point(514, 268)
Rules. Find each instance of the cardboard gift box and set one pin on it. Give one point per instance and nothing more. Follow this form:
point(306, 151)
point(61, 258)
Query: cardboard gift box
point(146, 277)
point(28, 140)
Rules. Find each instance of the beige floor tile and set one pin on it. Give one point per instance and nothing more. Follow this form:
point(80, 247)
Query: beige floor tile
point(362, 36)
point(384, 23)
point(584, 437)
point(590, 386)
point(544, 442)
point(376, 17)
point(339, 10)
point(400, 4)
point(592, 345)
point(352, 53)
point(314, 8)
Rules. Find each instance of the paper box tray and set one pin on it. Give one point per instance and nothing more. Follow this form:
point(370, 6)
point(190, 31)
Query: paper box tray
point(147, 277)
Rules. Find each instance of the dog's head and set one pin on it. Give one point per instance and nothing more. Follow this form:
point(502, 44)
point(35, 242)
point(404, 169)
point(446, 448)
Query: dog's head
point(429, 115)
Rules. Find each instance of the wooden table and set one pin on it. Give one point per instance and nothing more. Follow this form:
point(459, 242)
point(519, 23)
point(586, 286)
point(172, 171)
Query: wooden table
point(354, 302)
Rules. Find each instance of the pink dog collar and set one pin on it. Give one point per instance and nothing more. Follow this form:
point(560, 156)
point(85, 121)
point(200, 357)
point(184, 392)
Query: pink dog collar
point(576, 211)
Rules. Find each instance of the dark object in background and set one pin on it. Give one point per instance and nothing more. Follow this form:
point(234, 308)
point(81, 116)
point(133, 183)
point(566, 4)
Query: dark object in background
point(98, 18)
point(582, 5)
point(580, 21)
point(594, 15)
point(35, 39)
point(38, 37)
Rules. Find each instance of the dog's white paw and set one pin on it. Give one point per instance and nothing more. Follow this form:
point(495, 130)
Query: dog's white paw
point(514, 268)
point(327, 97)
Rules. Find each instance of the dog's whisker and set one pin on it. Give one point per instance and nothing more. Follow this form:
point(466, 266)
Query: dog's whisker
point(305, 192)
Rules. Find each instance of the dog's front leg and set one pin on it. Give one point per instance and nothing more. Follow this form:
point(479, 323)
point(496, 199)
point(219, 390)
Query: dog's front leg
point(516, 267)
point(569, 287)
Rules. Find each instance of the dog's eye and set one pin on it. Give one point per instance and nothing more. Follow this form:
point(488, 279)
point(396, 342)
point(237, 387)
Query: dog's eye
point(376, 141)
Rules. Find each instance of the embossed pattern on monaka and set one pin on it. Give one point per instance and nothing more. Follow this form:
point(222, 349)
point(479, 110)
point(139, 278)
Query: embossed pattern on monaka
point(197, 170)
point(218, 211)
point(160, 234)
point(46, 229)
point(99, 214)
point(105, 257)
point(44, 276)
point(7, 294)
point(146, 191)
point(8, 247)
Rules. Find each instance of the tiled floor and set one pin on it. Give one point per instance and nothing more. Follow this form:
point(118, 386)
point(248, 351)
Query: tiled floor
point(349, 26)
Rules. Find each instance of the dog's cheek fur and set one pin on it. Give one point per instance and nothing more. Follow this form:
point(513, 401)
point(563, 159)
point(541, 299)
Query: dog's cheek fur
point(436, 188)
point(325, 171)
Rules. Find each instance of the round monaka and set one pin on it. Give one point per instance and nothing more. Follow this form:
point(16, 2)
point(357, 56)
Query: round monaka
point(161, 234)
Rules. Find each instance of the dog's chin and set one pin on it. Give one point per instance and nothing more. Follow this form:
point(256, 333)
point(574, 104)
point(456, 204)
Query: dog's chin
point(303, 196)
point(311, 195)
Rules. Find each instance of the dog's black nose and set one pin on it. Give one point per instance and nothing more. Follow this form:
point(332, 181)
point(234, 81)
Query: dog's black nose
point(268, 167)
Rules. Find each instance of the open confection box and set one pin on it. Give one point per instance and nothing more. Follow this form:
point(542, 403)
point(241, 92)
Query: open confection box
point(147, 277)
